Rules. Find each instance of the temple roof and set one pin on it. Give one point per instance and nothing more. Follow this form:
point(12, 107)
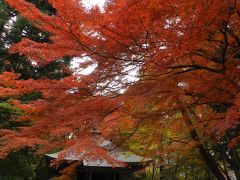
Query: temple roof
point(116, 153)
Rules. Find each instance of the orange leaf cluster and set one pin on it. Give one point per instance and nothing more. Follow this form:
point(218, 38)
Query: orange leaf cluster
point(185, 53)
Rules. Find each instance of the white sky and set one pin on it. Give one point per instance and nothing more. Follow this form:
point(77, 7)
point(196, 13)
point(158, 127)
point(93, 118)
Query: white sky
point(131, 71)
point(90, 3)
point(77, 60)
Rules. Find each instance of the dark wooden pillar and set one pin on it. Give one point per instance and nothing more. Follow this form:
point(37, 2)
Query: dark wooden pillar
point(114, 175)
point(124, 176)
point(89, 175)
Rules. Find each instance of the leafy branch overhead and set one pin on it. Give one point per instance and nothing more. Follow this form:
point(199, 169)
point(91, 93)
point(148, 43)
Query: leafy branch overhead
point(185, 92)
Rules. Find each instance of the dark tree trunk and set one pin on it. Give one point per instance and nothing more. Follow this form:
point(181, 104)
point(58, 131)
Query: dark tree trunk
point(234, 161)
point(208, 158)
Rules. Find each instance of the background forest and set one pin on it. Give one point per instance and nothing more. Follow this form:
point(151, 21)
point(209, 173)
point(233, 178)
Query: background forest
point(165, 84)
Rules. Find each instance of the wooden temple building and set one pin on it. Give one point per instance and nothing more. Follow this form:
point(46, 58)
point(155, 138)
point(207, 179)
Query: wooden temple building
point(100, 169)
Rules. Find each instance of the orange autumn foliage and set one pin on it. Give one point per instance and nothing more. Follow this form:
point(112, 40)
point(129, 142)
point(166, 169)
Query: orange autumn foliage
point(185, 52)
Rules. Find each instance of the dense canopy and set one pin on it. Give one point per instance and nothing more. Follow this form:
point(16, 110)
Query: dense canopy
point(157, 65)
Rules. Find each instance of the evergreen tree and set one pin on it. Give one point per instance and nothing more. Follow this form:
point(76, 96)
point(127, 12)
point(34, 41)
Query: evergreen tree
point(22, 164)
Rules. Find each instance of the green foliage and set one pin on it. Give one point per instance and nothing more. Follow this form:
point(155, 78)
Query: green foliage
point(13, 28)
point(20, 165)
point(8, 113)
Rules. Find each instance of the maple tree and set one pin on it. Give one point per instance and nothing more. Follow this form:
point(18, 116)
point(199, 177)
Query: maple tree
point(21, 164)
point(185, 53)
point(207, 86)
